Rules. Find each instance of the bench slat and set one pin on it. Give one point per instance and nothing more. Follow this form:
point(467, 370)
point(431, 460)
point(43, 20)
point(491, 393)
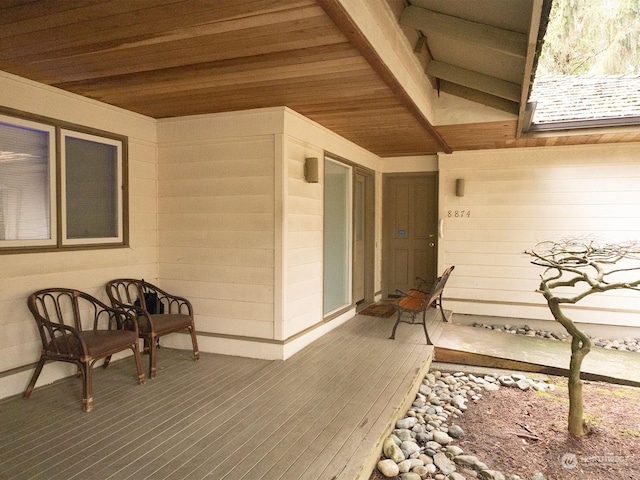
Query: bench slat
point(415, 302)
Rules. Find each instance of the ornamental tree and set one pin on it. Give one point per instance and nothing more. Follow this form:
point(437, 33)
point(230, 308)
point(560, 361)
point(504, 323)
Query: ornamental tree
point(574, 269)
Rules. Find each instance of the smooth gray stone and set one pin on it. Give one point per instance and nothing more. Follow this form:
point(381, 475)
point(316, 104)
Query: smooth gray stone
point(456, 431)
point(442, 438)
point(491, 475)
point(445, 465)
point(388, 468)
point(392, 451)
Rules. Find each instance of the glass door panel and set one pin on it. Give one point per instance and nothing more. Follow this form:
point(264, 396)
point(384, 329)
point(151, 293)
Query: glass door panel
point(337, 235)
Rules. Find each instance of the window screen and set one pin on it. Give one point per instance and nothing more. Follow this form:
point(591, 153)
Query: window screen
point(91, 189)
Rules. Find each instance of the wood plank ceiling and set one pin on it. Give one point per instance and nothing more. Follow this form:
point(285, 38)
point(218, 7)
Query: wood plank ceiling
point(166, 58)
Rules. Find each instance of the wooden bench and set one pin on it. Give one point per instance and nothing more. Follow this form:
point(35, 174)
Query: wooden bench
point(416, 302)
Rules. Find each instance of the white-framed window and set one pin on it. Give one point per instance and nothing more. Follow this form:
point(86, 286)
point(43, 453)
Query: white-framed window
point(62, 186)
point(91, 185)
point(27, 183)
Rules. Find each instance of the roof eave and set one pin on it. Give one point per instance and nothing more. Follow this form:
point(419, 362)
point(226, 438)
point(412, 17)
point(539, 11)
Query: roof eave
point(587, 123)
point(539, 20)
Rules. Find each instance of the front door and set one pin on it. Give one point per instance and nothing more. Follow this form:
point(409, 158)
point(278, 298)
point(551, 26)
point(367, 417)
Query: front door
point(410, 231)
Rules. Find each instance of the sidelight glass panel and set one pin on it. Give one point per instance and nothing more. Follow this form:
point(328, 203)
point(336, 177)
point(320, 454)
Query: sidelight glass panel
point(337, 235)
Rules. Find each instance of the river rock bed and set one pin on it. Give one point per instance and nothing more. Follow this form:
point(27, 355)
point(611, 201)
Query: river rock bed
point(623, 344)
point(423, 443)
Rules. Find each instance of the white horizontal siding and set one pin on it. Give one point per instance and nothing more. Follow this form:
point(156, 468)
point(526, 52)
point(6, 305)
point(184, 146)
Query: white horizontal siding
point(241, 309)
point(246, 203)
point(216, 239)
point(216, 226)
point(517, 198)
point(303, 242)
point(242, 257)
point(216, 273)
point(238, 327)
point(224, 291)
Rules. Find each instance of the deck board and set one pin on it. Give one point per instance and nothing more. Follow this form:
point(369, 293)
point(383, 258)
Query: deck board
point(320, 414)
point(283, 430)
point(338, 412)
point(164, 414)
point(270, 397)
point(337, 441)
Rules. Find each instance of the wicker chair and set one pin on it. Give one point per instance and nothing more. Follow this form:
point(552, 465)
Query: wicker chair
point(159, 313)
point(78, 328)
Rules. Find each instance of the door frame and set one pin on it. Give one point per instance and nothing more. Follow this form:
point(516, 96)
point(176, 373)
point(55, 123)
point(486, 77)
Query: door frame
point(369, 232)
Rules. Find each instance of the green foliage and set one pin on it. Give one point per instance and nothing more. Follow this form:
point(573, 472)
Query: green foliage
point(630, 431)
point(551, 396)
point(595, 37)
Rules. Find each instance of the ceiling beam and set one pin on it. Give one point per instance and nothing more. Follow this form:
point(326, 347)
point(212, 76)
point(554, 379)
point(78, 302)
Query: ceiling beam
point(479, 97)
point(477, 81)
point(494, 38)
point(338, 10)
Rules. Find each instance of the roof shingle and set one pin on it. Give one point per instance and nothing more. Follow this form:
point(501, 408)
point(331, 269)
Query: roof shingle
point(568, 98)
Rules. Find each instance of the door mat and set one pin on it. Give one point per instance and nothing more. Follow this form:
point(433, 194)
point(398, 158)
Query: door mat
point(383, 310)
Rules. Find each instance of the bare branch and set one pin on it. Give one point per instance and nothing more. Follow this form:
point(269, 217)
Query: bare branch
point(571, 262)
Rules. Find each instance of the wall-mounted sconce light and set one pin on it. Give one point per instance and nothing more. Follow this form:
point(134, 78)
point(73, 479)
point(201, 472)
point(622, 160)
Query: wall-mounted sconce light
point(311, 170)
point(460, 187)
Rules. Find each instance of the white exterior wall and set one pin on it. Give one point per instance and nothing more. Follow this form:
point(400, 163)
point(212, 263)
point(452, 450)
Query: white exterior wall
point(241, 230)
point(302, 236)
point(516, 198)
point(217, 215)
point(302, 240)
point(22, 274)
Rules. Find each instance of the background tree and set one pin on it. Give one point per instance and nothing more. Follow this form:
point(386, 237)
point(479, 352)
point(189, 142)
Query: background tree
point(582, 267)
point(598, 37)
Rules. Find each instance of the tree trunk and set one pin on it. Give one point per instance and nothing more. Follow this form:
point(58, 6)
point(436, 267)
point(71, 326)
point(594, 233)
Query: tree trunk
point(580, 347)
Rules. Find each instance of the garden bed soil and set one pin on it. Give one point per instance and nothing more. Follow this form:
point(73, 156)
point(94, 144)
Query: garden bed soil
point(524, 432)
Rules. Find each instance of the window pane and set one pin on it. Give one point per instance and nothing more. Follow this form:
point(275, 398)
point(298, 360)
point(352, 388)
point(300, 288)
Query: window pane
point(91, 189)
point(25, 192)
point(337, 236)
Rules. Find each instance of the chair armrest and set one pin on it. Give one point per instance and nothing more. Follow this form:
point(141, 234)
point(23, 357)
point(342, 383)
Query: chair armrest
point(174, 303)
point(121, 317)
point(132, 310)
point(63, 339)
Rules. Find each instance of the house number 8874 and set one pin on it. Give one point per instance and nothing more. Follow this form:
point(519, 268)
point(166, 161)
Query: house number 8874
point(459, 213)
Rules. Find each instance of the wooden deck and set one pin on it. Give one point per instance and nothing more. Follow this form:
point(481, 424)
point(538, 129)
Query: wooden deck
point(322, 414)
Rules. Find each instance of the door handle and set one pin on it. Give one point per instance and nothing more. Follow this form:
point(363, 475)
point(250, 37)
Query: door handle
point(441, 228)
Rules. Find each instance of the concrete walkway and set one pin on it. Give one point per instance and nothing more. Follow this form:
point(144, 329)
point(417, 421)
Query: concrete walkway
point(468, 345)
